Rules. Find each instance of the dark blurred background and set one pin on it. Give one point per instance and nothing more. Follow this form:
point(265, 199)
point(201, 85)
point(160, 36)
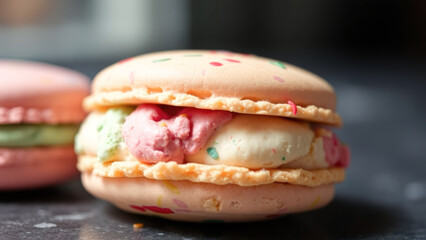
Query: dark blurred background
point(372, 52)
point(107, 29)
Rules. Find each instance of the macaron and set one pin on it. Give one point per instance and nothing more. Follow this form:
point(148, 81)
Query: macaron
point(196, 135)
point(40, 113)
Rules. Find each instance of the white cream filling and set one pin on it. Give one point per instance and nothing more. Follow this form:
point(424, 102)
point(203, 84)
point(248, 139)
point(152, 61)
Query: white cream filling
point(251, 141)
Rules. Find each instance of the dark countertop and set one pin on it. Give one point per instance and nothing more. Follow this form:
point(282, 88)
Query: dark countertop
point(383, 197)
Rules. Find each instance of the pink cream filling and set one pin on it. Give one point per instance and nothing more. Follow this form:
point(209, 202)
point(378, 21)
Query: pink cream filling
point(336, 154)
point(155, 134)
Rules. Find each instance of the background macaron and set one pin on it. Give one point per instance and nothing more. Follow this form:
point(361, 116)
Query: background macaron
point(40, 113)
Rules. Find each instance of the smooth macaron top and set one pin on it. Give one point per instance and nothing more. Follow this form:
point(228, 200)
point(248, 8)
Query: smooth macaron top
point(33, 92)
point(216, 80)
point(216, 73)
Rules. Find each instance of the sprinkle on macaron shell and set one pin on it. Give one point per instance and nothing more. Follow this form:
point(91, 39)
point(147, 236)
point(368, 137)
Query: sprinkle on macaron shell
point(160, 197)
point(180, 204)
point(278, 64)
point(231, 60)
point(162, 60)
point(171, 187)
point(315, 202)
point(216, 64)
point(153, 209)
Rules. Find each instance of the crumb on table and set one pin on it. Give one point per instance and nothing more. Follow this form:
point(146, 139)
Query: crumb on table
point(137, 225)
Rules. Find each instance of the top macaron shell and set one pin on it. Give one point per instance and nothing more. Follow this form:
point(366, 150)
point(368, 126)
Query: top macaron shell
point(33, 92)
point(218, 74)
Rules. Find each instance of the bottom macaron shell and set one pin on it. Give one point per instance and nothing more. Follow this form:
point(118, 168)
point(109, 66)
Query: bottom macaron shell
point(199, 202)
point(24, 168)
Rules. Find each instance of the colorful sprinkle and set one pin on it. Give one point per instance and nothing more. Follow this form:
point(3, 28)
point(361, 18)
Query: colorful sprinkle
point(283, 159)
point(153, 209)
point(162, 124)
point(140, 208)
point(183, 115)
point(273, 150)
point(179, 203)
point(171, 187)
point(132, 77)
point(231, 60)
point(278, 79)
point(125, 60)
point(211, 151)
point(162, 60)
point(278, 64)
point(315, 202)
point(158, 209)
point(216, 64)
point(193, 55)
point(159, 200)
point(293, 107)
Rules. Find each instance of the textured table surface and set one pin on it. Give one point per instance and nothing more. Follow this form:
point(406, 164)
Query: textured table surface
point(383, 197)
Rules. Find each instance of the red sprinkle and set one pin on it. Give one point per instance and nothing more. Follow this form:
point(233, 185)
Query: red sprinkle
point(125, 60)
point(140, 208)
point(153, 209)
point(216, 64)
point(159, 210)
point(273, 150)
point(293, 107)
point(231, 60)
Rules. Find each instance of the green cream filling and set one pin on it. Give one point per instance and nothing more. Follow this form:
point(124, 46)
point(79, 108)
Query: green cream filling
point(109, 132)
point(30, 135)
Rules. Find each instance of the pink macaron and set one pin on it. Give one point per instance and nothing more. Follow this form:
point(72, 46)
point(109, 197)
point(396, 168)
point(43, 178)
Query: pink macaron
point(40, 113)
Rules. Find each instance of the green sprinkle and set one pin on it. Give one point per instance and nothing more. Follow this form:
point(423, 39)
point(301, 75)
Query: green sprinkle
point(193, 55)
point(283, 158)
point(278, 64)
point(211, 151)
point(162, 60)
